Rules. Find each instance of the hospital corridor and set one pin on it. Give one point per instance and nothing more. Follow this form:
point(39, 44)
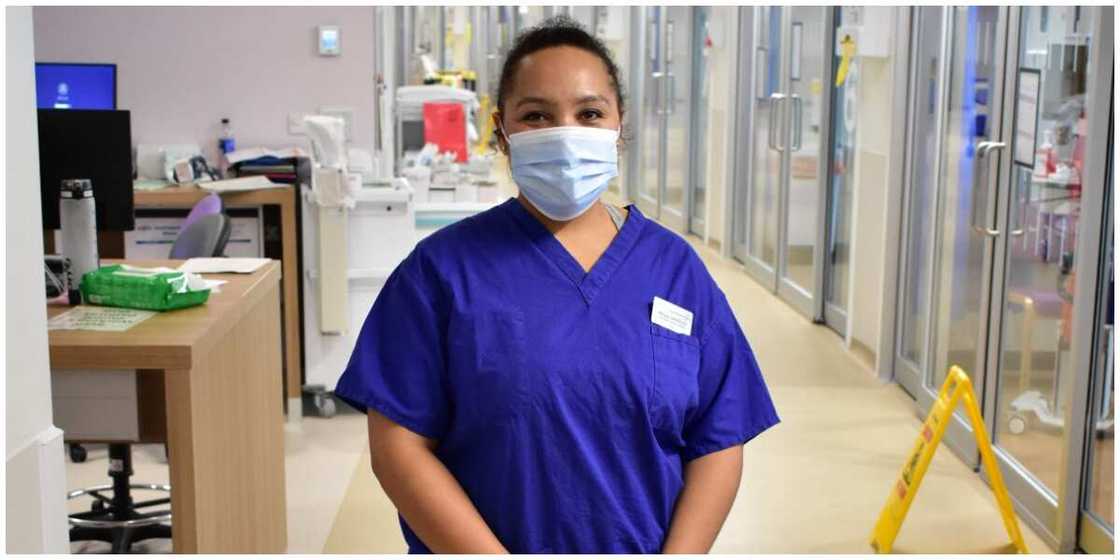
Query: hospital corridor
point(536, 278)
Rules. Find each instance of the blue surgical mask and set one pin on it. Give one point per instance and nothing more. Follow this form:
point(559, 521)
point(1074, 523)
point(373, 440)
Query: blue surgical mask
point(563, 170)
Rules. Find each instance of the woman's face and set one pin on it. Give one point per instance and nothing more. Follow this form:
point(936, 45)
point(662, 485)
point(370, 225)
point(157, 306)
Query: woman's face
point(559, 86)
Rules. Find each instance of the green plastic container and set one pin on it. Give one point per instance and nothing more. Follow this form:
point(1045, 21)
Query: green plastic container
point(116, 286)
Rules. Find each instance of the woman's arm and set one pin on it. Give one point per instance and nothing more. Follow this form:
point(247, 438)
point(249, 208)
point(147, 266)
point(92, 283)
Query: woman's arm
point(710, 485)
point(424, 491)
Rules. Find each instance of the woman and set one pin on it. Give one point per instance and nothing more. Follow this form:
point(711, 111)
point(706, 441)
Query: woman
point(556, 375)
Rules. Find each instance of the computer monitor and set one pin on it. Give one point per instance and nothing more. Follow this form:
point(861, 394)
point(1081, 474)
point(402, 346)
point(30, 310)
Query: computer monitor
point(75, 86)
point(94, 145)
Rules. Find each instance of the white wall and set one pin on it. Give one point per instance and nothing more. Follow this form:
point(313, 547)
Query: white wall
point(35, 474)
point(722, 59)
point(180, 70)
point(876, 134)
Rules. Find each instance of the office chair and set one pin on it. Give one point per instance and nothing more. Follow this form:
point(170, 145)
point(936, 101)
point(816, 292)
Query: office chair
point(212, 204)
point(206, 237)
point(119, 520)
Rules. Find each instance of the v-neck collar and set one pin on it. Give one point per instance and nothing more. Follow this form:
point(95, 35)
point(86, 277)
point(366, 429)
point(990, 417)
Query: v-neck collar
point(588, 283)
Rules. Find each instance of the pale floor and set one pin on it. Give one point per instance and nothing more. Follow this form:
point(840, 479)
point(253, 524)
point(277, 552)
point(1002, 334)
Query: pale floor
point(814, 483)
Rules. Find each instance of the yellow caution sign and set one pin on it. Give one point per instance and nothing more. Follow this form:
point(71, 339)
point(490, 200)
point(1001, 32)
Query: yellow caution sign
point(847, 51)
point(957, 387)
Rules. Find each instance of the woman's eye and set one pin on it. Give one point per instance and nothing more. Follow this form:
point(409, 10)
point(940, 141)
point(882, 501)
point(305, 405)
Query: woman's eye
point(590, 115)
point(533, 117)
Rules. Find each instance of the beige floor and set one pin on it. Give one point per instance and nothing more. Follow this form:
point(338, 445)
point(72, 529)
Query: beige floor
point(814, 483)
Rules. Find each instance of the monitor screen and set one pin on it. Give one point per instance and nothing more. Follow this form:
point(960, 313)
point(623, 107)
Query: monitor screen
point(94, 145)
point(76, 86)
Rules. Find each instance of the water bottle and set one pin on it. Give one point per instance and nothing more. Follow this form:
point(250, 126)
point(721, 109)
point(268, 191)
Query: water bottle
point(225, 145)
point(225, 142)
point(79, 226)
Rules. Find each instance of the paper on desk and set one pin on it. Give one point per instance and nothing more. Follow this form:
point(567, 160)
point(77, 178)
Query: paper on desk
point(94, 318)
point(217, 265)
point(250, 183)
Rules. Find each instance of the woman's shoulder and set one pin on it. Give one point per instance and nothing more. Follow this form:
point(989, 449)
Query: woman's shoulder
point(672, 246)
point(674, 264)
point(449, 246)
point(464, 234)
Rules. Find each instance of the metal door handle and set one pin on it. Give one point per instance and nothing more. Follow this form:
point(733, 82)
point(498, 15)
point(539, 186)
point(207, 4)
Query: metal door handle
point(669, 42)
point(656, 84)
point(671, 92)
point(986, 231)
point(982, 150)
point(775, 99)
point(797, 116)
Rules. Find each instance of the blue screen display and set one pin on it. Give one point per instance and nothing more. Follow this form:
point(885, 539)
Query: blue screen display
point(76, 86)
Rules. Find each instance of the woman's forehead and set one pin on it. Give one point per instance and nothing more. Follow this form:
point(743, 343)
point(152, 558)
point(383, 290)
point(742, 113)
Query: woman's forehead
point(561, 74)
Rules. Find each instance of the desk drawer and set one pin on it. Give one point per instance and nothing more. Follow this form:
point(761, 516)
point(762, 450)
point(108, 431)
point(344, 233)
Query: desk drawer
point(96, 405)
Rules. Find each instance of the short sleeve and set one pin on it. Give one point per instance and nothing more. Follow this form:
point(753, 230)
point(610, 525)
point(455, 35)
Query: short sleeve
point(734, 403)
point(399, 361)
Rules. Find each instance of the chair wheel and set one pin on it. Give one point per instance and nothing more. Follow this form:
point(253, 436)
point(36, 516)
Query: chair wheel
point(78, 453)
point(324, 404)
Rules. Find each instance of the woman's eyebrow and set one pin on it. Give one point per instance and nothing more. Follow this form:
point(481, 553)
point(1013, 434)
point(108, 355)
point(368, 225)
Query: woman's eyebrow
point(527, 100)
point(592, 99)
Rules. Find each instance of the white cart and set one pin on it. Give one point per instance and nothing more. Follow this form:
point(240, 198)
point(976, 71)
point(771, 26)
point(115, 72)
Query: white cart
point(380, 232)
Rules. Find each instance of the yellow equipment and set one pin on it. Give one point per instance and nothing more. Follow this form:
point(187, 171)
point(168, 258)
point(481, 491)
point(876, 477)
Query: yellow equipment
point(956, 388)
point(486, 125)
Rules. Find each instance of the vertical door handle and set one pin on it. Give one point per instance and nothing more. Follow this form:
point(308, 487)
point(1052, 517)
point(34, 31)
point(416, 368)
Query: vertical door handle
point(982, 150)
point(671, 92)
point(797, 116)
point(658, 94)
point(1016, 220)
point(775, 102)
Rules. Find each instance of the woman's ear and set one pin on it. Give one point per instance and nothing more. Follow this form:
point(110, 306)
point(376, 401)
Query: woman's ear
point(503, 145)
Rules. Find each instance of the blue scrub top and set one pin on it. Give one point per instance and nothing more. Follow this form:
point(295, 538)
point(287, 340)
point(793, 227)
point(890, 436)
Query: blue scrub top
point(562, 410)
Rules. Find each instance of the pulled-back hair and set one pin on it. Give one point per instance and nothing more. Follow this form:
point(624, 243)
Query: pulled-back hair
point(559, 31)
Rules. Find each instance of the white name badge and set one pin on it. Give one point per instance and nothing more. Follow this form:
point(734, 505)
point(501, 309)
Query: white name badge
point(671, 316)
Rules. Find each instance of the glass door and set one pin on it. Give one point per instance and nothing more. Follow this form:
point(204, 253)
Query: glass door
point(926, 121)
point(1098, 521)
point(779, 241)
point(842, 178)
point(677, 111)
point(1050, 228)
point(757, 244)
point(1010, 292)
point(649, 134)
point(700, 84)
point(665, 167)
point(809, 70)
point(962, 251)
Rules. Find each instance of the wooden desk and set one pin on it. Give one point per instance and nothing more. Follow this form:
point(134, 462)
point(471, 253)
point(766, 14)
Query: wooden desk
point(225, 436)
point(286, 198)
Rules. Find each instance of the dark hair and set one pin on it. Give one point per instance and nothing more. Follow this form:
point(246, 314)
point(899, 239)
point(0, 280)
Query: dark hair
point(558, 31)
